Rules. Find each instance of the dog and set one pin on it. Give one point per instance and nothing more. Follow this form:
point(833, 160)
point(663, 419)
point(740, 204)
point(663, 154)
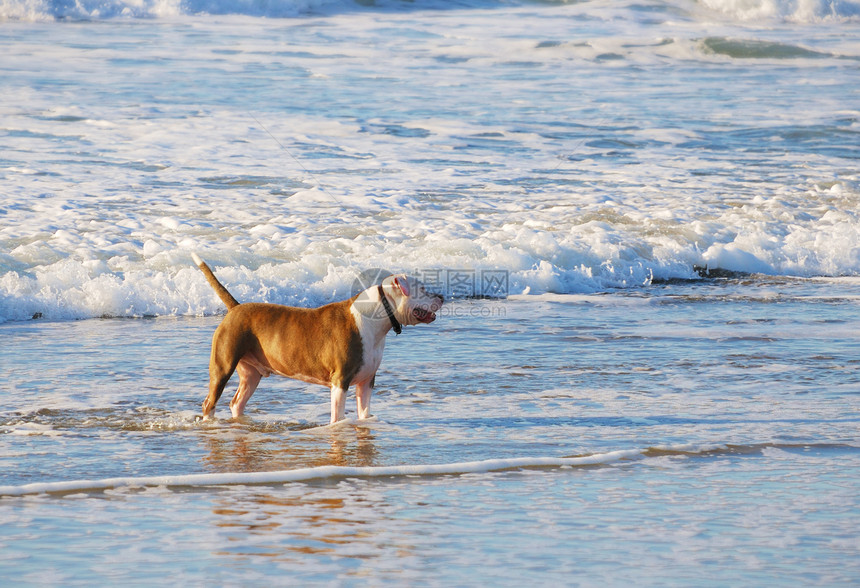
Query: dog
point(336, 345)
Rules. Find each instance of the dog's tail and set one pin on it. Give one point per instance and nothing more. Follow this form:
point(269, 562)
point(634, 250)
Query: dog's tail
point(219, 288)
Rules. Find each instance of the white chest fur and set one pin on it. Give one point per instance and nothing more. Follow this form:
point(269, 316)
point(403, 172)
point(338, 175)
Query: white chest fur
point(372, 332)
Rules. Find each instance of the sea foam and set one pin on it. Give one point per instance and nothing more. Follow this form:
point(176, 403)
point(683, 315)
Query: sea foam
point(316, 473)
point(295, 155)
point(808, 11)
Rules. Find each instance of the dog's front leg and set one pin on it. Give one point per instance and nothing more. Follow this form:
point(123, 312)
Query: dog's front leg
point(363, 392)
point(338, 403)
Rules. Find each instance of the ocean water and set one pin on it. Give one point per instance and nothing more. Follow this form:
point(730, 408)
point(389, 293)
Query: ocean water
point(643, 215)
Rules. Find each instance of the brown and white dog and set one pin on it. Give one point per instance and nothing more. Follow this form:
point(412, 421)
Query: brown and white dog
point(336, 345)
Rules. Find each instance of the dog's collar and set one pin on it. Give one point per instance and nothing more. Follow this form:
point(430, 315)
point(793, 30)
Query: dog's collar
point(395, 324)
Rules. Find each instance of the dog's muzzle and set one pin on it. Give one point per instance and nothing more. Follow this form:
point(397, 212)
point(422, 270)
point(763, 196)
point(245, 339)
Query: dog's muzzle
point(428, 315)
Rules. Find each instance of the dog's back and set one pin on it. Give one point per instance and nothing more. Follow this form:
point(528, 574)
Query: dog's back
point(312, 343)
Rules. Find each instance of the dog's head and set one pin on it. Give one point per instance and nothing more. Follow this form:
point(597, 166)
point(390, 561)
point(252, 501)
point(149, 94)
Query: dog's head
point(411, 303)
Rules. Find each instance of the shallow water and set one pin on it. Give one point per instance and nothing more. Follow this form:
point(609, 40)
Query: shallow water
point(736, 403)
point(699, 365)
point(576, 147)
point(587, 410)
point(773, 516)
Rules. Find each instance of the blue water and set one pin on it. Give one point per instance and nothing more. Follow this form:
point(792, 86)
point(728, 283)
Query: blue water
point(740, 399)
point(658, 386)
point(671, 522)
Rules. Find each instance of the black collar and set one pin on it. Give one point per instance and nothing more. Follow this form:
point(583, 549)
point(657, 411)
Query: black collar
point(394, 323)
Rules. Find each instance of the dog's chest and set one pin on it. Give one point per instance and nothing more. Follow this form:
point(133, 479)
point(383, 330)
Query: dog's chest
point(372, 348)
point(371, 357)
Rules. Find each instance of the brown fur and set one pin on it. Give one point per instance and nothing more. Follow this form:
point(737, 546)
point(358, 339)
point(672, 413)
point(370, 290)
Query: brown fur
point(337, 345)
point(219, 288)
point(309, 344)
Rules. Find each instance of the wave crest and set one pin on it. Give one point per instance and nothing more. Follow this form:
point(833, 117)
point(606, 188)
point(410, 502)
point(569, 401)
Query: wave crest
point(800, 11)
point(48, 10)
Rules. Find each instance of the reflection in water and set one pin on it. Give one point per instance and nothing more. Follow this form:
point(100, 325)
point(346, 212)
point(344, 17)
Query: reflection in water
point(241, 448)
point(358, 451)
point(347, 527)
point(296, 520)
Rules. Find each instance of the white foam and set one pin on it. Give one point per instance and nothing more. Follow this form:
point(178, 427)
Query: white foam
point(733, 258)
point(32, 429)
point(346, 424)
point(104, 202)
point(101, 9)
point(317, 473)
point(806, 11)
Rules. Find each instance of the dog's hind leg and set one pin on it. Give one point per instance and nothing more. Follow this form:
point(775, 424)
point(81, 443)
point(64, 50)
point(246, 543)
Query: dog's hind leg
point(221, 368)
point(218, 378)
point(249, 378)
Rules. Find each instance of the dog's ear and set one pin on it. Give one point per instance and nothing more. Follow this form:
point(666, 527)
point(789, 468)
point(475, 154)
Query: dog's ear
point(402, 285)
